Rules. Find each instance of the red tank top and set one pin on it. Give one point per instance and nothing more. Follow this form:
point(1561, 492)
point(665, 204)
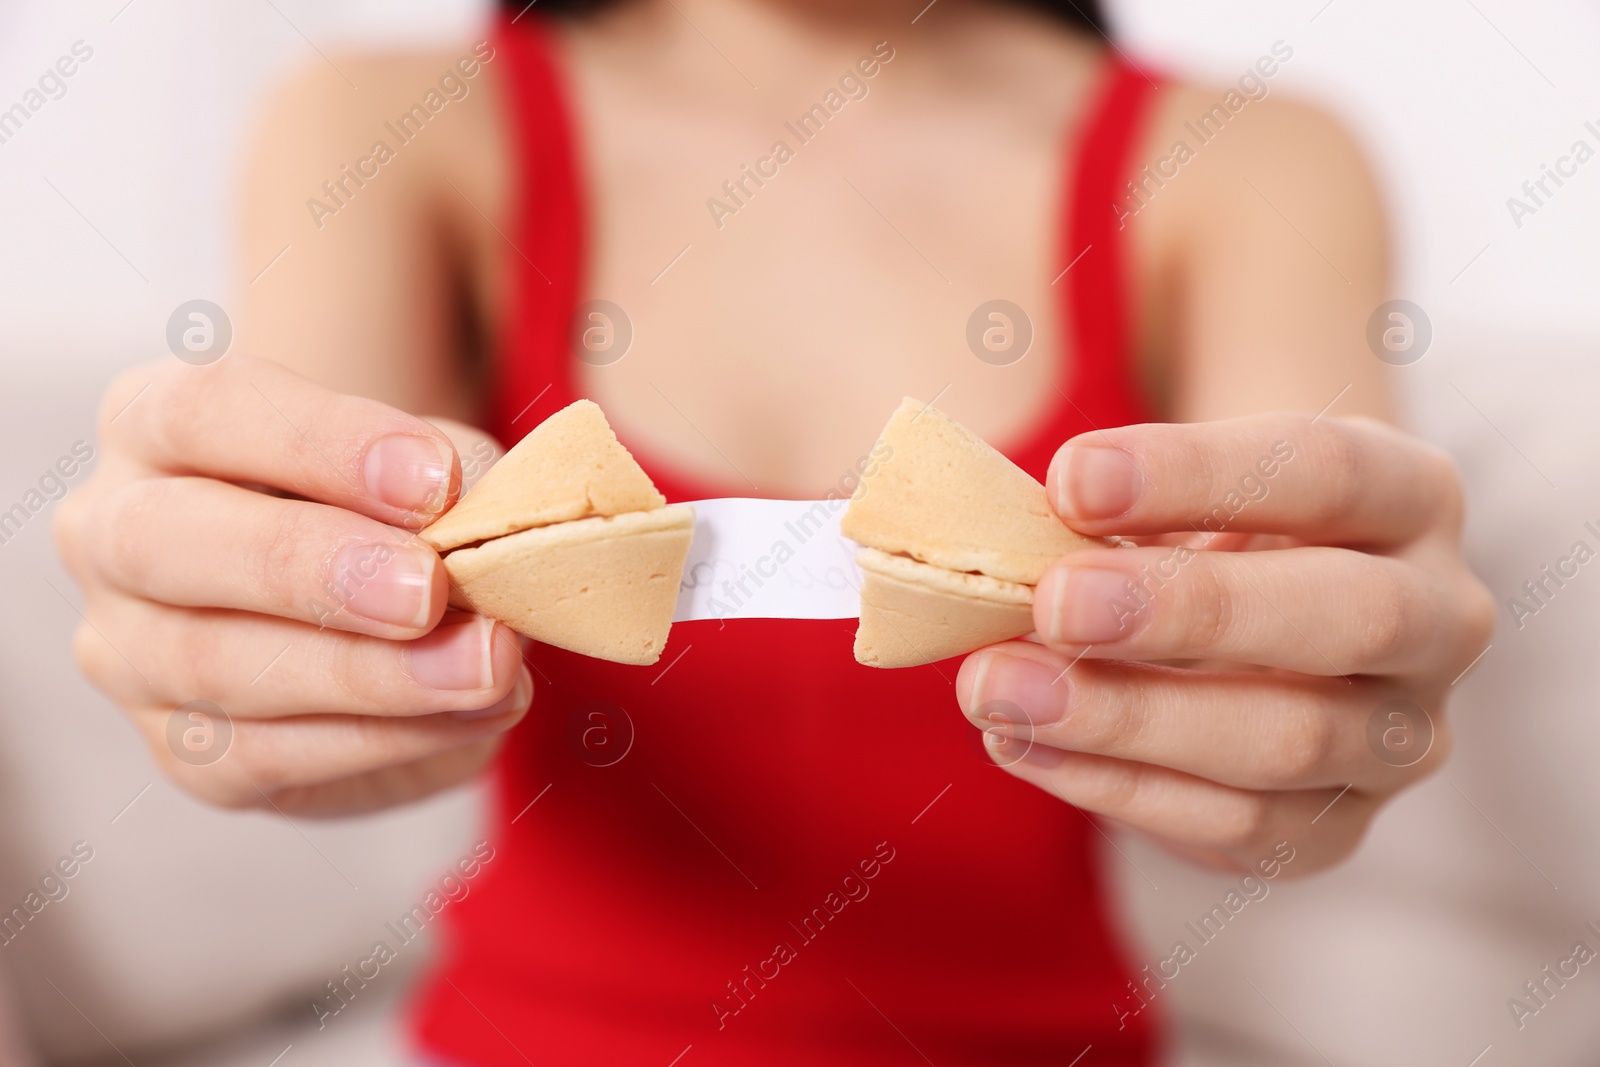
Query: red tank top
point(757, 851)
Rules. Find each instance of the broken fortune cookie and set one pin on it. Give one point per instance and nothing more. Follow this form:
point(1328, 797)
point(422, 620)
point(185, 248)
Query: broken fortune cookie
point(567, 541)
point(955, 538)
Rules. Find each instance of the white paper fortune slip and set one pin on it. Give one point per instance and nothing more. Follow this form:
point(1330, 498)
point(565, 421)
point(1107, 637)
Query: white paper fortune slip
point(769, 559)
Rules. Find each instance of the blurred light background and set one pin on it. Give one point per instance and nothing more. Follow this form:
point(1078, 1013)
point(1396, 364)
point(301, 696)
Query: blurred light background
point(117, 210)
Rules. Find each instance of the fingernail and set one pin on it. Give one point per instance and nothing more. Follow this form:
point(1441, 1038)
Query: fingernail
point(1006, 751)
point(516, 700)
point(1088, 606)
point(386, 583)
point(1096, 483)
point(1015, 689)
point(410, 472)
point(456, 655)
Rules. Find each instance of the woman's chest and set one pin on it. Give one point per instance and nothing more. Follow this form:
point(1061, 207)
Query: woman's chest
point(761, 285)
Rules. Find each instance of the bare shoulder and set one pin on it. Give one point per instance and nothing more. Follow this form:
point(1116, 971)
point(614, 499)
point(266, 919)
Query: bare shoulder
point(1260, 216)
point(1229, 155)
point(365, 192)
point(348, 88)
point(410, 118)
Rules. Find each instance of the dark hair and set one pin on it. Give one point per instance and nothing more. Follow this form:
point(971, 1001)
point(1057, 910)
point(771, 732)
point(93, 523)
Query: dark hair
point(1084, 14)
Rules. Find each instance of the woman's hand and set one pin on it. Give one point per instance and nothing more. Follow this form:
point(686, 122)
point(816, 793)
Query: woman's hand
point(314, 620)
point(1317, 573)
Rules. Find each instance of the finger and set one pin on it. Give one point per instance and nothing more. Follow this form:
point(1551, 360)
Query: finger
point(264, 760)
point(255, 666)
point(251, 421)
point(1198, 814)
point(1249, 731)
point(1327, 611)
point(1332, 481)
point(477, 449)
point(196, 542)
point(390, 787)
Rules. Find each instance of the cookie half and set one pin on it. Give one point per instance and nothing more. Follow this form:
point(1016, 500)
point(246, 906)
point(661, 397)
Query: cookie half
point(603, 587)
point(914, 613)
point(942, 495)
point(570, 466)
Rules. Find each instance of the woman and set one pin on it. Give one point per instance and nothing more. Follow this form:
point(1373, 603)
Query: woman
point(798, 212)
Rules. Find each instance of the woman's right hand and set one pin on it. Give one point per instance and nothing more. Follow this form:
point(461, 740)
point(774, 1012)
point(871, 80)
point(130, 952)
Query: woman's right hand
point(307, 610)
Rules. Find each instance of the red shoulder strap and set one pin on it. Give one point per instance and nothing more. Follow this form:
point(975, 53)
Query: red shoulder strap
point(1098, 280)
point(545, 233)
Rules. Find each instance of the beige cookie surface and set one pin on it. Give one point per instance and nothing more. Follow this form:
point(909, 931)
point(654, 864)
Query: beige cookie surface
point(570, 466)
point(603, 586)
point(914, 613)
point(944, 496)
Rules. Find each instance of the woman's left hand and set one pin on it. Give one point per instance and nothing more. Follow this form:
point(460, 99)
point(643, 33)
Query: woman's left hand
point(1312, 565)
